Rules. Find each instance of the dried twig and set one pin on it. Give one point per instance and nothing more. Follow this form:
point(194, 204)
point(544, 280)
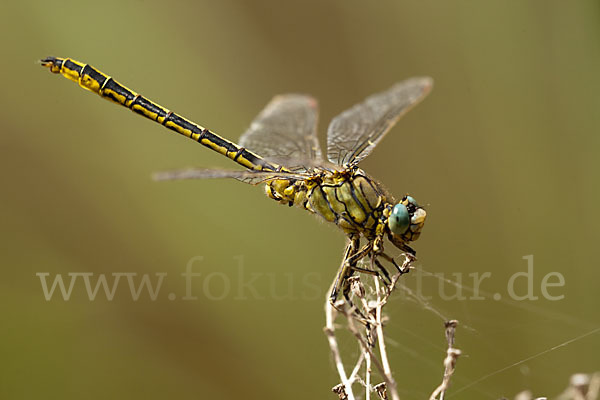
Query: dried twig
point(345, 392)
point(452, 355)
point(365, 321)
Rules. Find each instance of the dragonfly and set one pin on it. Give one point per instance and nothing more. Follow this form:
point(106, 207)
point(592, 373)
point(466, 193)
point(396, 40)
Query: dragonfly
point(280, 149)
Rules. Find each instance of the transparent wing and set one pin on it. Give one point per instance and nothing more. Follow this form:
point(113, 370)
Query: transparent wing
point(353, 134)
point(251, 177)
point(286, 128)
point(304, 165)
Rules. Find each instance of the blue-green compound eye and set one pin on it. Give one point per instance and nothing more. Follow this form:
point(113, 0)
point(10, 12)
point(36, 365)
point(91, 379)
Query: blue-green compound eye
point(399, 221)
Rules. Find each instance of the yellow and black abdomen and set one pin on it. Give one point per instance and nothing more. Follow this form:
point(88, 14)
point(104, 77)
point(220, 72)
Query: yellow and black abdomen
point(92, 79)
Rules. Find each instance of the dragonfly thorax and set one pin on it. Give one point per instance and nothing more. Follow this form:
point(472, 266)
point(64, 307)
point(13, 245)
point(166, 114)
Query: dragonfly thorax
point(348, 198)
point(354, 202)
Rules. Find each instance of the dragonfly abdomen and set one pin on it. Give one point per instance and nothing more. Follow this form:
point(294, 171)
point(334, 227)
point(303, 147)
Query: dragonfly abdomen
point(98, 82)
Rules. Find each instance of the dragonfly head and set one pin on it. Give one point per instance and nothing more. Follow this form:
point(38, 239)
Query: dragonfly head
point(406, 220)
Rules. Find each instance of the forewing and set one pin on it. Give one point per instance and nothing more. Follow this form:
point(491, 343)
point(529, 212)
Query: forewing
point(353, 134)
point(251, 177)
point(286, 128)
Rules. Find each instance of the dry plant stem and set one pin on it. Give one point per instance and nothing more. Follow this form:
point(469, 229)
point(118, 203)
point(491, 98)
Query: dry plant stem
point(381, 301)
point(368, 377)
point(356, 370)
point(379, 326)
point(375, 328)
point(365, 322)
point(364, 317)
point(452, 355)
point(365, 348)
point(330, 332)
point(594, 387)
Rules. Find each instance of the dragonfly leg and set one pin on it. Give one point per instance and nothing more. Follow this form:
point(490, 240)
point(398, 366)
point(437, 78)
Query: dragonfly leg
point(358, 315)
point(377, 269)
point(386, 276)
point(345, 271)
point(401, 269)
point(359, 255)
point(341, 283)
point(406, 249)
point(353, 260)
point(365, 270)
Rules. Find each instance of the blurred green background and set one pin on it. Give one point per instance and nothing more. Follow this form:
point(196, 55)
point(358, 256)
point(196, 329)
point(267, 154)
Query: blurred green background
point(504, 154)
